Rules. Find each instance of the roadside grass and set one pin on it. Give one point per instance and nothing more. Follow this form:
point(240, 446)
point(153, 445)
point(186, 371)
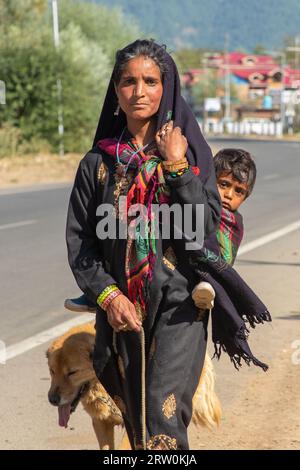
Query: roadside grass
point(38, 169)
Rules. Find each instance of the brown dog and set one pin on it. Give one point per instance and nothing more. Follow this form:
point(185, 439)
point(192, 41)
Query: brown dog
point(73, 379)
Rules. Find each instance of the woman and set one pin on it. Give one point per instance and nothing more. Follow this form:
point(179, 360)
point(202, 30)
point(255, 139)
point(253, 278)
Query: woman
point(150, 343)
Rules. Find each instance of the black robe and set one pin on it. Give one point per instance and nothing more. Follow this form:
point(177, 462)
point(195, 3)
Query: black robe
point(152, 376)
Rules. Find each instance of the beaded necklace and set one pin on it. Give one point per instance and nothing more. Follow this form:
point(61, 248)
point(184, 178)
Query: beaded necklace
point(122, 169)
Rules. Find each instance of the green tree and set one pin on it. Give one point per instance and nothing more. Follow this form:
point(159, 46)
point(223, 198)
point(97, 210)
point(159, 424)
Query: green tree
point(107, 27)
point(206, 87)
point(23, 23)
point(210, 86)
point(188, 59)
point(85, 71)
point(30, 66)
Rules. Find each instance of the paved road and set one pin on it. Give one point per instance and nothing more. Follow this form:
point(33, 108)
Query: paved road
point(34, 274)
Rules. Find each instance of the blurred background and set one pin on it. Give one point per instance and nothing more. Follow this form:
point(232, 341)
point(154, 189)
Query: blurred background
point(239, 64)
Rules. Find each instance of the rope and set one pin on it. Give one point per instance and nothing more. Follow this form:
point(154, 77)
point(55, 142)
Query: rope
point(143, 386)
point(143, 380)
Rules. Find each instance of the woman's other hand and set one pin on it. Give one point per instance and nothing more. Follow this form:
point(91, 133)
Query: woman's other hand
point(121, 315)
point(172, 145)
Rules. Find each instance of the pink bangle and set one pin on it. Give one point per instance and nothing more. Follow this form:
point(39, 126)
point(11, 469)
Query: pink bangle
point(109, 298)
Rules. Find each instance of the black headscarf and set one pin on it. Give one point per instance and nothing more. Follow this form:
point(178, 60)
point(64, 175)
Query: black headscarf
point(172, 106)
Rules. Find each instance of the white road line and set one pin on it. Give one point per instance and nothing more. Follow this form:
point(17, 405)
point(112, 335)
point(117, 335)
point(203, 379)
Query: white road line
point(17, 224)
point(45, 336)
point(269, 238)
point(48, 335)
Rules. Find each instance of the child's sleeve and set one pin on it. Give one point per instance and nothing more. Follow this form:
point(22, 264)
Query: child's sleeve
point(230, 238)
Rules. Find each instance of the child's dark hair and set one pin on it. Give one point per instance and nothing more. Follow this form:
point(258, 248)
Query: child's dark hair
point(237, 162)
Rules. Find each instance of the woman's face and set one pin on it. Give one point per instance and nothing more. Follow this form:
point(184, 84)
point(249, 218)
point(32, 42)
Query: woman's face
point(140, 89)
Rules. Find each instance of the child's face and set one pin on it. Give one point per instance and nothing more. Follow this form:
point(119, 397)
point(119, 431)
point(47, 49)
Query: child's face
point(231, 191)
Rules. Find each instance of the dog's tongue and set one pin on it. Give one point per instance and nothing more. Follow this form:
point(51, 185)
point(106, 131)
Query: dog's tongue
point(64, 412)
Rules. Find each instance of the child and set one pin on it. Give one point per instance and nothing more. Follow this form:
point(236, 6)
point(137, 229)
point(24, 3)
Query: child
point(236, 173)
point(236, 306)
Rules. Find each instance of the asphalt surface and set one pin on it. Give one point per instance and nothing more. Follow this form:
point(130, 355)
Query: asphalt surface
point(35, 279)
point(34, 273)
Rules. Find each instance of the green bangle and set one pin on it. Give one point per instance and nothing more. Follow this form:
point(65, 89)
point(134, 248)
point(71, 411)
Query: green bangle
point(105, 293)
point(175, 174)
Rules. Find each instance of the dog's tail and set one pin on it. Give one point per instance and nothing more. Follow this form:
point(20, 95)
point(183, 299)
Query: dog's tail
point(207, 409)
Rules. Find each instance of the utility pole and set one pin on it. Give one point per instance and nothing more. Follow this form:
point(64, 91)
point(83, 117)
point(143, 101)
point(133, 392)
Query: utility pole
point(282, 107)
point(227, 79)
point(58, 81)
point(282, 88)
point(291, 108)
point(297, 49)
point(2, 92)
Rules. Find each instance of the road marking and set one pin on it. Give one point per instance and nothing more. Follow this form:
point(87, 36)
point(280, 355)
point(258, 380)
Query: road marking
point(269, 238)
point(48, 335)
point(17, 224)
point(45, 336)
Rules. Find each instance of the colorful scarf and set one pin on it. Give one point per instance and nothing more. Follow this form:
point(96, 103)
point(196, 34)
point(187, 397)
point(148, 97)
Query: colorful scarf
point(230, 234)
point(148, 187)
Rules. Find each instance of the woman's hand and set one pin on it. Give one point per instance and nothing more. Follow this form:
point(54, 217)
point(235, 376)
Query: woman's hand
point(172, 145)
point(121, 315)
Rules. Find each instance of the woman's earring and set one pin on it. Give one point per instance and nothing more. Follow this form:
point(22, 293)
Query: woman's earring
point(116, 113)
